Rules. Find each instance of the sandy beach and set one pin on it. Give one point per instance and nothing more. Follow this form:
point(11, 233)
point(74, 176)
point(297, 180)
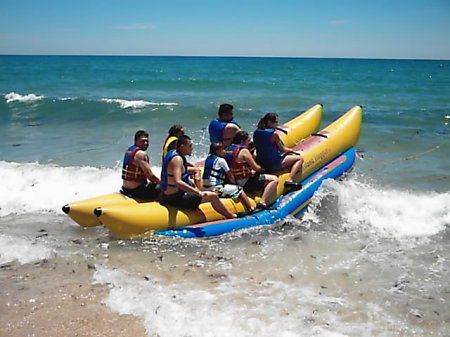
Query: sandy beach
point(57, 297)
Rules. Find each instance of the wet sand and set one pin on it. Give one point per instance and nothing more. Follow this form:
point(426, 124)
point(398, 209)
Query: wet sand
point(57, 297)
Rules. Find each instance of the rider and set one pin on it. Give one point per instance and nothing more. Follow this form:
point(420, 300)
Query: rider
point(247, 172)
point(217, 173)
point(272, 154)
point(178, 190)
point(175, 132)
point(223, 129)
point(138, 178)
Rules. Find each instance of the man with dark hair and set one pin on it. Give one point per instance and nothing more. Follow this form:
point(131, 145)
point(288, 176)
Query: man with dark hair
point(139, 181)
point(139, 134)
point(223, 129)
point(178, 190)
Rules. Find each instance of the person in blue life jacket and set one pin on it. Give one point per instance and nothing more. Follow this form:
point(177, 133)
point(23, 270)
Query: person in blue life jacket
point(178, 190)
point(217, 177)
point(139, 181)
point(223, 129)
point(272, 154)
point(175, 132)
point(248, 173)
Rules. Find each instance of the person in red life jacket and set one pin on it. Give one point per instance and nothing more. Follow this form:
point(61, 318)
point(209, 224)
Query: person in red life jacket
point(272, 154)
point(175, 132)
point(223, 129)
point(139, 181)
point(178, 190)
point(248, 173)
point(217, 177)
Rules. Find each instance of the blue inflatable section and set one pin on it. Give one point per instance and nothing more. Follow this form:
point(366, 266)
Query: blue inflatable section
point(288, 204)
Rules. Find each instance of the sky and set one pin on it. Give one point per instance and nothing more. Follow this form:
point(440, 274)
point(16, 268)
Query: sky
point(404, 29)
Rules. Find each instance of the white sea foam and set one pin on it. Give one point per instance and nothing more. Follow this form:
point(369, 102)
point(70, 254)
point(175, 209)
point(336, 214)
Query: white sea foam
point(31, 187)
point(37, 188)
point(273, 308)
point(23, 250)
point(397, 213)
point(14, 97)
point(136, 104)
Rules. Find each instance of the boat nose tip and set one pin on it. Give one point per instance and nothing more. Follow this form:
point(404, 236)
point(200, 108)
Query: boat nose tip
point(66, 209)
point(98, 211)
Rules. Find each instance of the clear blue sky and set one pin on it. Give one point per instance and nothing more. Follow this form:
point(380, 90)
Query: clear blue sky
point(292, 28)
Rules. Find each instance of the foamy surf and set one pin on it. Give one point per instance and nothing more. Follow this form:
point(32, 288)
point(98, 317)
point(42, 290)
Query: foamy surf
point(134, 104)
point(23, 250)
point(386, 211)
point(172, 309)
point(38, 188)
point(14, 97)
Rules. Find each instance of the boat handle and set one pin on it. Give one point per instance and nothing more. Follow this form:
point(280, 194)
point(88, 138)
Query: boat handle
point(282, 130)
point(319, 134)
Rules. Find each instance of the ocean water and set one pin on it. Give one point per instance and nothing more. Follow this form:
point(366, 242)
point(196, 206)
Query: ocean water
point(368, 258)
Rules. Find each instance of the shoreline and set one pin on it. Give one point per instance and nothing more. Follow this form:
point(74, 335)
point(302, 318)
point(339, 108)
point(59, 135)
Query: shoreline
point(57, 297)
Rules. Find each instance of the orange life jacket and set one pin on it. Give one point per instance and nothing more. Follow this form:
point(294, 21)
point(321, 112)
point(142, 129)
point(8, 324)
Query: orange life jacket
point(239, 170)
point(129, 170)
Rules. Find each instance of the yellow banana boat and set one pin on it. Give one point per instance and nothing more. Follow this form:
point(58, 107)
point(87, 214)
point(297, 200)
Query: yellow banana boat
point(138, 218)
point(82, 212)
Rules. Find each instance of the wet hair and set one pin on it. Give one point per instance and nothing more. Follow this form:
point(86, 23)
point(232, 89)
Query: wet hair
point(271, 116)
point(225, 108)
point(139, 134)
point(174, 129)
point(214, 147)
point(184, 139)
point(240, 136)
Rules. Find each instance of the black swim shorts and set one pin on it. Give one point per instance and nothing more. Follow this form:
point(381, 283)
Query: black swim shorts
point(255, 183)
point(182, 199)
point(149, 191)
point(276, 167)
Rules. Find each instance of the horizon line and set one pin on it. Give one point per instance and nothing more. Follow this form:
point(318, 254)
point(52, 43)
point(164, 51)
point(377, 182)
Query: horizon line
point(233, 56)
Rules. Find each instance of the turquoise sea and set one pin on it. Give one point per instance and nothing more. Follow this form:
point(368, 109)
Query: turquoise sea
point(369, 257)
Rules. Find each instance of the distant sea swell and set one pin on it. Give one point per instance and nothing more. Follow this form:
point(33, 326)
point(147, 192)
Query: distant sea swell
point(91, 106)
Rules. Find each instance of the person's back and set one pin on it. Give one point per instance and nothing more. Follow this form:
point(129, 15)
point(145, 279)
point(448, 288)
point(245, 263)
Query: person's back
point(272, 154)
point(223, 129)
point(268, 154)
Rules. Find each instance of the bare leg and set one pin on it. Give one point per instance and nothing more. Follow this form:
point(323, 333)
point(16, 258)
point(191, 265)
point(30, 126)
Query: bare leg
point(295, 162)
point(243, 197)
point(270, 190)
point(217, 204)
